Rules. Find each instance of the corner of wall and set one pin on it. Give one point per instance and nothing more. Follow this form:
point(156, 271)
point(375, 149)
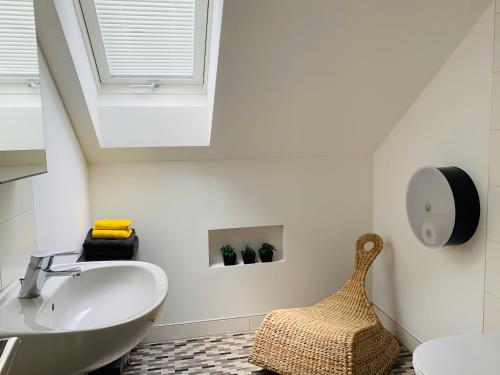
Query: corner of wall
point(448, 124)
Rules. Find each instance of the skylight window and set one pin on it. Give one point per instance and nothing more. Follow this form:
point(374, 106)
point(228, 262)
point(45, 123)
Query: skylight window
point(147, 42)
point(18, 48)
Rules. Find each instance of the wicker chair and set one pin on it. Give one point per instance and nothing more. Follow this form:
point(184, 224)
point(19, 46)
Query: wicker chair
point(339, 335)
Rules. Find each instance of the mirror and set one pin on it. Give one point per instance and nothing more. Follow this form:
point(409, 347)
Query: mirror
point(22, 148)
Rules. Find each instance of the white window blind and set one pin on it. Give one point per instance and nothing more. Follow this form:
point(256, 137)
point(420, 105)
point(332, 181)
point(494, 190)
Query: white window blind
point(18, 49)
point(134, 41)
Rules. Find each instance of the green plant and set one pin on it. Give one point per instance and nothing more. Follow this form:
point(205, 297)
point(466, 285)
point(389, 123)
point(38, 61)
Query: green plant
point(266, 248)
point(227, 250)
point(248, 251)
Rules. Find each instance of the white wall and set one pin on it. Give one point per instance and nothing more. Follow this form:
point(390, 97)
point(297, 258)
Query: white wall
point(61, 196)
point(50, 211)
point(436, 292)
point(21, 126)
point(492, 279)
point(324, 204)
point(128, 121)
point(17, 229)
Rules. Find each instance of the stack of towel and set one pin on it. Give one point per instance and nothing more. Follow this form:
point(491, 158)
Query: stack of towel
point(114, 229)
point(111, 239)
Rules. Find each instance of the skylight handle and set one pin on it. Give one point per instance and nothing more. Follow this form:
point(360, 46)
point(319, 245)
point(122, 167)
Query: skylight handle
point(34, 83)
point(148, 85)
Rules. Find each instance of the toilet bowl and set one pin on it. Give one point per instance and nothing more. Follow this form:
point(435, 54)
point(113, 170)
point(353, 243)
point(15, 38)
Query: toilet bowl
point(458, 355)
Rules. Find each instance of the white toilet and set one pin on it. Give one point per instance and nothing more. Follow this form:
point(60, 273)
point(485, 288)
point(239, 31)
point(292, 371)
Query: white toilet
point(459, 355)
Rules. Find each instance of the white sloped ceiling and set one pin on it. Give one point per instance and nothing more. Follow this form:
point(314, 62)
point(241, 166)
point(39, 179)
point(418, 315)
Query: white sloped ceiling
point(321, 77)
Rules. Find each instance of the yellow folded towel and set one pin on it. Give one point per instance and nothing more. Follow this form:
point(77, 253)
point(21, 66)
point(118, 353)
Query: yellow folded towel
point(111, 233)
point(123, 224)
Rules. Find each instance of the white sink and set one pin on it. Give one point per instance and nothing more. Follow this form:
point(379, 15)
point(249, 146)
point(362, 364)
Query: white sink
point(79, 324)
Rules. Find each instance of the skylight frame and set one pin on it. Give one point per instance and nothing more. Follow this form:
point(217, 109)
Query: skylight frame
point(90, 23)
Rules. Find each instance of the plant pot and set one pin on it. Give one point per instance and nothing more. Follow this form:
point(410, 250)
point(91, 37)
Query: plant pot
point(266, 256)
point(229, 260)
point(248, 258)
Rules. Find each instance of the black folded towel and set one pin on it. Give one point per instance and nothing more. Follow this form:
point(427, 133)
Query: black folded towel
point(110, 249)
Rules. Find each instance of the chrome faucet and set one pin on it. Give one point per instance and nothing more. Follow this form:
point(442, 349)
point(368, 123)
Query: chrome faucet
point(39, 269)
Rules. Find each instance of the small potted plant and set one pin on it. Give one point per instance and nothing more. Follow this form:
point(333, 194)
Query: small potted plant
point(248, 255)
point(266, 252)
point(228, 255)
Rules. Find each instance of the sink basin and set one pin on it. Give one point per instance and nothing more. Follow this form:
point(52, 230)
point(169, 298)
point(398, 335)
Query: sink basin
point(79, 324)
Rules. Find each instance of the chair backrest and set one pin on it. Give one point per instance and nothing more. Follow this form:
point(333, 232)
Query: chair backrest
point(352, 298)
point(365, 258)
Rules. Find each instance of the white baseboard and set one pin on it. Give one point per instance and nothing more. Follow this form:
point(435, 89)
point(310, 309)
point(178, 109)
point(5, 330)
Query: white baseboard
point(401, 333)
point(190, 330)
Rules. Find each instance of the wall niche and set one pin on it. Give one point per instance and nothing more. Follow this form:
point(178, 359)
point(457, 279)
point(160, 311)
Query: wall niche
point(239, 237)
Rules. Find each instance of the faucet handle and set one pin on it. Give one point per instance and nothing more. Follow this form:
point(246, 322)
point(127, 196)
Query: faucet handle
point(44, 259)
point(45, 253)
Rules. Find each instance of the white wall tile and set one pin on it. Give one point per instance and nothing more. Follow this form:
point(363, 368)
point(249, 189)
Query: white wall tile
point(495, 102)
point(222, 326)
point(493, 221)
point(213, 327)
point(18, 241)
point(491, 314)
point(496, 58)
point(492, 282)
point(15, 198)
point(495, 158)
point(255, 322)
point(172, 332)
point(404, 337)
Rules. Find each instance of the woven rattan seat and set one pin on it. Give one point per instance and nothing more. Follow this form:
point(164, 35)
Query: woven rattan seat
point(339, 335)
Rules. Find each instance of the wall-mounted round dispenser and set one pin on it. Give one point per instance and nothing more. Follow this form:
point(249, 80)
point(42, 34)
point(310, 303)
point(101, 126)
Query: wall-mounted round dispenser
point(442, 206)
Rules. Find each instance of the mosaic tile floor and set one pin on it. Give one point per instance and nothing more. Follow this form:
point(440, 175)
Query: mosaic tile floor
point(226, 354)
